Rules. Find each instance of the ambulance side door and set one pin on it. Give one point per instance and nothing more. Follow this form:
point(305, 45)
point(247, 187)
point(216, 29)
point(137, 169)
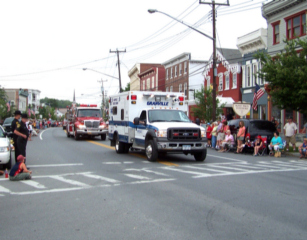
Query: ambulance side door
point(141, 130)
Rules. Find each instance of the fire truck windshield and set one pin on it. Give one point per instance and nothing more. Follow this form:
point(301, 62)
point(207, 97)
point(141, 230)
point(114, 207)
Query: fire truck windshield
point(89, 113)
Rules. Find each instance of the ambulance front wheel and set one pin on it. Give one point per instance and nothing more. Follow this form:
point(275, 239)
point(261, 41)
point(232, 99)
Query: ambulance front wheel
point(151, 151)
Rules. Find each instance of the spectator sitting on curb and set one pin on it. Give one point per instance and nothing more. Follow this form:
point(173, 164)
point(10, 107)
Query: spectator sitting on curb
point(246, 146)
point(19, 171)
point(276, 143)
point(228, 141)
point(258, 144)
point(302, 149)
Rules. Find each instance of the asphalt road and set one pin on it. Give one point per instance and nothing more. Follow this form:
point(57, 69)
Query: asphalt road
point(84, 190)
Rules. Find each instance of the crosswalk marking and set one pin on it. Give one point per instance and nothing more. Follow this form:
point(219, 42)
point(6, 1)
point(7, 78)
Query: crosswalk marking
point(89, 175)
point(3, 189)
point(73, 182)
point(137, 176)
point(146, 170)
point(184, 171)
point(207, 169)
point(232, 168)
point(33, 184)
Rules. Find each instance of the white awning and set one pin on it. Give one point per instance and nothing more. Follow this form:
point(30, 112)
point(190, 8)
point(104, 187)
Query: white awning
point(228, 101)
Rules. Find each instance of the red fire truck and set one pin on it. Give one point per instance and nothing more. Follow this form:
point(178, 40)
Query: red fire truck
point(85, 120)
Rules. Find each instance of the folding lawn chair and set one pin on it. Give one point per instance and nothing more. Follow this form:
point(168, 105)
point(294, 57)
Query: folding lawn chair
point(263, 150)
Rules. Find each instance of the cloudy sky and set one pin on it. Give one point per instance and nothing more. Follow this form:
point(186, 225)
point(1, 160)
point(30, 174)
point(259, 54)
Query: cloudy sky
point(45, 45)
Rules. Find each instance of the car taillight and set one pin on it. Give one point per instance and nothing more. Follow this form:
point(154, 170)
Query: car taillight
point(133, 97)
point(181, 98)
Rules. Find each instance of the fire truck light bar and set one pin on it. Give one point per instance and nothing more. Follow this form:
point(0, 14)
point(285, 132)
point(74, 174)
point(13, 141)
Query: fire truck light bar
point(88, 105)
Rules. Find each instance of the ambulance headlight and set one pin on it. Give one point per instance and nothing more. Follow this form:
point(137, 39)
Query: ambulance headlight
point(203, 132)
point(161, 133)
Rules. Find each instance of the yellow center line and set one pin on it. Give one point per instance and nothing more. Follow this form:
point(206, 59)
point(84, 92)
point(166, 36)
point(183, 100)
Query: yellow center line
point(135, 154)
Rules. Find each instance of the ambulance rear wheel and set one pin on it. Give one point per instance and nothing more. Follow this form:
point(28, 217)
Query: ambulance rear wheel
point(103, 137)
point(119, 146)
point(151, 151)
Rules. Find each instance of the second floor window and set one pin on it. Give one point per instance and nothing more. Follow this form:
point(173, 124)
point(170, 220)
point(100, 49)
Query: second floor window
point(180, 69)
point(152, 82)
point(296, 26)
point(185, 68)
point(171, 72)
point(175, 71)
point(227, 81)
point(180, 87)
point(221, 82)
point(255, 75)
point(234, 80)
point(248, 70)
point(276, 34)
point(166, 74)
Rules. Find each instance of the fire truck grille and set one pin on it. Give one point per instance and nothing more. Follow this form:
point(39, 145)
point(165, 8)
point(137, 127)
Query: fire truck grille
point(184, 134)
point(91, 124)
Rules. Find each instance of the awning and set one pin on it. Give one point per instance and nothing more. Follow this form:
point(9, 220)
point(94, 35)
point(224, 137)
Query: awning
point(228, 101)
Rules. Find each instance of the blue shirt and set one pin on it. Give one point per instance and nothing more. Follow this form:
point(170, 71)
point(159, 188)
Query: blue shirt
point(276, 140)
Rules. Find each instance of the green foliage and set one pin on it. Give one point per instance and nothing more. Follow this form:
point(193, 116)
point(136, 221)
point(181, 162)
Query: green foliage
point(44, 111)
point(55, 103)
point(286, 73)
point(204, 109)
point(3, 107)
point(127, 88)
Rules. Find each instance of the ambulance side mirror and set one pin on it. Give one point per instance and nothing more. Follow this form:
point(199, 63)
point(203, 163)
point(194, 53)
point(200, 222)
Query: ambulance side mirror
point(136, 121)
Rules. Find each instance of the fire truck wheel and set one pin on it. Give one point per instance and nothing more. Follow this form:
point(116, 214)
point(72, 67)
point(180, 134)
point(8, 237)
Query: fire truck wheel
point(76, 136)
point(151, 151)
point(67, 134)
point(119, 146)
point(200, 156)
point(103, 137)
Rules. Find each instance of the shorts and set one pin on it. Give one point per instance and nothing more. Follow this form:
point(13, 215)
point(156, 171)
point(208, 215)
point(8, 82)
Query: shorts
point(291, 139)
point(225, 144)
point(220, 136)
point(241, 138)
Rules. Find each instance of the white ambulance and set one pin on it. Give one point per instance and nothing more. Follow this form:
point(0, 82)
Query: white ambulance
point(155, 122)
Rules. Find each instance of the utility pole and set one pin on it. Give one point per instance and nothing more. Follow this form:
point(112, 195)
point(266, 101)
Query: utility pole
point(103, 102)
point(120, 81)
point(214, 72)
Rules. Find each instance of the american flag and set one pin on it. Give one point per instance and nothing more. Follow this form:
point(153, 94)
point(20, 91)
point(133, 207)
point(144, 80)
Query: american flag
point(8, 106)
point(258, 94)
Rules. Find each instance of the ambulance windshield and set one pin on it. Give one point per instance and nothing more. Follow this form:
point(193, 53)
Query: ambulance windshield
point(89, 113)
point(167, 116)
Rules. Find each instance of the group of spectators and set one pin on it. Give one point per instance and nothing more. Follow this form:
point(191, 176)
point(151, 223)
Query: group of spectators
point(220, 138)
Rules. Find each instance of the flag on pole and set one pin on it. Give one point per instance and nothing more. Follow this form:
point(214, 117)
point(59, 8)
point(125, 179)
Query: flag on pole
point(258, 94)
point(8, 106)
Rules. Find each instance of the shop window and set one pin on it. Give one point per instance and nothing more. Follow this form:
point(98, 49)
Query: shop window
point(234, 80)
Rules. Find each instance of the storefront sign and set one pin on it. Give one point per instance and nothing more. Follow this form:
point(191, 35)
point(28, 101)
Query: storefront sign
point(241, 109)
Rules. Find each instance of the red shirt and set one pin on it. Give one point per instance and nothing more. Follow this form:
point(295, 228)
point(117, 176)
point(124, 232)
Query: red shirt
point(209, 130)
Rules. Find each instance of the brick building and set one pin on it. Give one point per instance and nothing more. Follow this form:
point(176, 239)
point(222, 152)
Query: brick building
point(152, 79)
point(183, 74)
point(285, 19)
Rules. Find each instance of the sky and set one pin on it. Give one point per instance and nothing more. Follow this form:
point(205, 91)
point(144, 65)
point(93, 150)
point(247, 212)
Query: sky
point(45, 45)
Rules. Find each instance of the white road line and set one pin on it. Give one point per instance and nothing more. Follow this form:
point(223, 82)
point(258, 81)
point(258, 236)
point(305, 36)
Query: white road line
point(56, 165)
point(34, 184)
point(291, 164)
point(3, 189)
point(248, 166)
point(64, 174)
point(89, 175)
point(146, 170)
point(137, 176)
point(206, 169)
point(233, 159)
point(183, 171)
point(41, 134)
point(111, 163)
point(128, 162)
point(48, 191)
point(232, 168)
point(268, 166)
point(285, 165)
point(72, 182)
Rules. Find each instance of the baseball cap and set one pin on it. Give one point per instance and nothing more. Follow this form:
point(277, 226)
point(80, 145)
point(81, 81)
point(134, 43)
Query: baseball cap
point(20, 158)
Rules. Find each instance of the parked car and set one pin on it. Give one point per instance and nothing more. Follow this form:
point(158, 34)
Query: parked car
point(7, 124)
point(5, 149)
point(254, 127)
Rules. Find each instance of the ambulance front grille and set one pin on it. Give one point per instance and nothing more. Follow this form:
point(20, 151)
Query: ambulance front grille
point(184, 134)
point(91, 124)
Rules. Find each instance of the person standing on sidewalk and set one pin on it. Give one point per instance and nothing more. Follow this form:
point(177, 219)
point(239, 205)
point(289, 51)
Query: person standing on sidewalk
point(15, 124)
point(290, 130)
point(23, 138)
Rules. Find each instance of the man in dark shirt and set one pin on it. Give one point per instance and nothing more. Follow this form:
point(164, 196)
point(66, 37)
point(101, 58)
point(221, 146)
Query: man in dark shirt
point(15, 124)
point(24, 134)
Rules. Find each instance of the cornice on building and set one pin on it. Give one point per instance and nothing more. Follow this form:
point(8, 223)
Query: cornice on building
point(180, 58)
point(253, 41)
point(275, 7)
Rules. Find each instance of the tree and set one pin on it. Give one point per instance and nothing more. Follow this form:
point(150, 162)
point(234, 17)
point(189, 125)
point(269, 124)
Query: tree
point(127, 88)
point(204, 108)
point(286, 74)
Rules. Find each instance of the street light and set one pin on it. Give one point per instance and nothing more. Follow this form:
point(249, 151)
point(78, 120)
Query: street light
point(214, 53)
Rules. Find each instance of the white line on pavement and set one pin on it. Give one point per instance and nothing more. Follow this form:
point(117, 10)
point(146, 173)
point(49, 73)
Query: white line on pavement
point(73, 182)
point(137, 176)
point(89, 175)
point(3, 189)
point(34, 184)
point(146, 170)
point(56, 165)
point(233, 159)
